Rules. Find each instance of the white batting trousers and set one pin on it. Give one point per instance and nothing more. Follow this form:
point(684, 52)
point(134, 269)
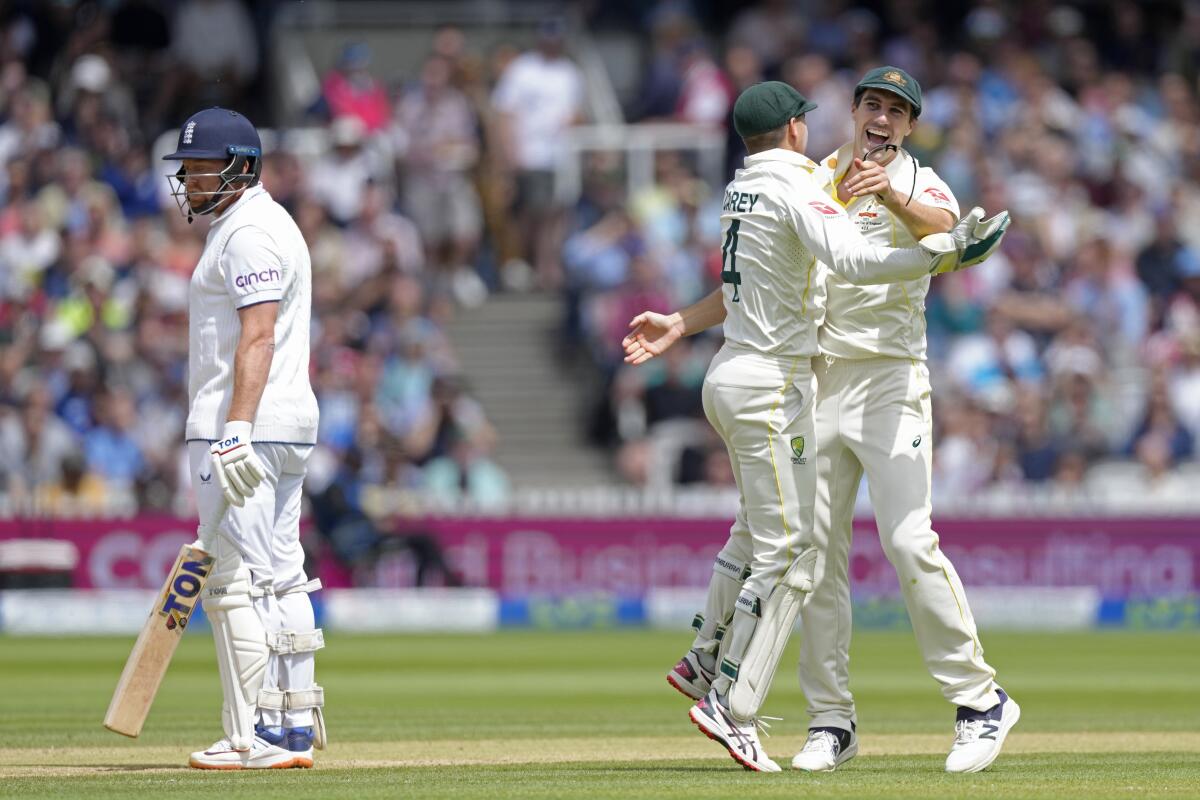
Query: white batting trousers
point(875, 416)
point(265, 535)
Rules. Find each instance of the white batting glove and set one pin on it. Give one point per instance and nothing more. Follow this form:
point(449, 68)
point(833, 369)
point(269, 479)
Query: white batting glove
point(237, 468)
point(972, 240)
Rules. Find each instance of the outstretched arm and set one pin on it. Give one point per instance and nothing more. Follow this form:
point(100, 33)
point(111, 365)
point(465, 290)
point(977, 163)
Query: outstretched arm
point(654, 333)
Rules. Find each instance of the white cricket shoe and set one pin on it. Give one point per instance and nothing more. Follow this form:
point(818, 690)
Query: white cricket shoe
point(261, 755)
point(979, 735)
point(823, 752)
point(690, 677)
point(739, 738)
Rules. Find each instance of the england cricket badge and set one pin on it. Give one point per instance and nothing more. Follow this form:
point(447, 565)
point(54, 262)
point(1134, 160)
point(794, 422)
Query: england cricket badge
point(798, 450)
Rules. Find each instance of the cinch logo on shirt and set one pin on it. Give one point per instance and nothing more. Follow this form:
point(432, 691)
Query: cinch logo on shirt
point(937, 194)
point(266, 275)
point(188, 131)
point(824, 209)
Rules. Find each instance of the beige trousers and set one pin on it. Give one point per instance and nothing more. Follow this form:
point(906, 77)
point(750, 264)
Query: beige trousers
point(874, 416)
point(762, 407)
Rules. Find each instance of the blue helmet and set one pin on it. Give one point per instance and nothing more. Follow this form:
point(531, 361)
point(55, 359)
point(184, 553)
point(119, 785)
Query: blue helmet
point(217, 133)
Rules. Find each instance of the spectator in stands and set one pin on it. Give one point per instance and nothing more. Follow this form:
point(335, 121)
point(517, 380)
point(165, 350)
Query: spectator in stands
point(1038, 451)
point(453, 416)
point(77, 492)
point(706, 94)
point(27, 252)
point(30, 125)
point(76, 403)
point(1184, 384)
point(467, 474)
point(658, 95)
point(964, 455)
point(1160, 420)
point(378, 244)
point(339, 180)
point(813, 74)
point(539, 97)
point(673, 394)
point(34, 444)
point(774, 29)
point(1159, 486)
point(1070, 476)
point(438, 140)
point(67, 201)
point(214, 44)
point(111, 449)
point(127, 169)
point(92, 95)
point(350, 90)
point(1103, 290)
point(1158, 263)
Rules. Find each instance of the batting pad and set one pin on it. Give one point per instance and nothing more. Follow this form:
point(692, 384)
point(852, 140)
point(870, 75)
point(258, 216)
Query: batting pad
point(758, 635)
point(729, 571)
point(242, 650)
point(292, 699)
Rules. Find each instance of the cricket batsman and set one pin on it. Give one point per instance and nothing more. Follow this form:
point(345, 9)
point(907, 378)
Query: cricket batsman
point(252, 423)
point(759, 394)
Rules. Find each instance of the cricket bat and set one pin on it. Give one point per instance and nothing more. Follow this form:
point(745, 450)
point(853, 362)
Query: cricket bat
point(157, 642)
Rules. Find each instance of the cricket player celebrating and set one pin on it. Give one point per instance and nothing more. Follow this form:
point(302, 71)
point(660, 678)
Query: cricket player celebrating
point(759, 396)
point(873, 413)
point(874, 416)
point(251, 425)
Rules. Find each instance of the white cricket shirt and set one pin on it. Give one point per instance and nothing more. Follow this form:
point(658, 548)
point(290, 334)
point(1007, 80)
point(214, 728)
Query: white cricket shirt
point(777, 223)
point(254, 253)
point(885, 320)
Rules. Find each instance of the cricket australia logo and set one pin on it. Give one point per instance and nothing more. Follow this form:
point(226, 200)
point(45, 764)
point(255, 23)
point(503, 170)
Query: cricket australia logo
point(188, 131)
point(798, 450)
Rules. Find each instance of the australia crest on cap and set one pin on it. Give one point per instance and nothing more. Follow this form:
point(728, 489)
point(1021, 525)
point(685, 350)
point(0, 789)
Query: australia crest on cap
point(892, 76)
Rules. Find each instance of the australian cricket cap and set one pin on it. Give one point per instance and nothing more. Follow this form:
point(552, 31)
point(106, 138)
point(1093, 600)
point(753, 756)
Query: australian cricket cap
point(766, 106)
point(894, 80)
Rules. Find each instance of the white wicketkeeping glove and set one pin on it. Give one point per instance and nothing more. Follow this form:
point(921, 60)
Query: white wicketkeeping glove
point(970, 241)
point(237, 468)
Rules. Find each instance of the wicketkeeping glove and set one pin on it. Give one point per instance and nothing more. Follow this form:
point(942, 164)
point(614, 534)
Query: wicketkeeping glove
point(237, 468)
point(970, 241)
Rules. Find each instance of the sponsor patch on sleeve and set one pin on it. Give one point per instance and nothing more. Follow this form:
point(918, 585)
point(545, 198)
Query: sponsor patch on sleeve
point(254, 270)
point(936, 196)
point(824, 208)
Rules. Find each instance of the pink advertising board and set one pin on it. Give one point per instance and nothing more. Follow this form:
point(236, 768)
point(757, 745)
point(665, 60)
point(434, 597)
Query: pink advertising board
point(1121, 557)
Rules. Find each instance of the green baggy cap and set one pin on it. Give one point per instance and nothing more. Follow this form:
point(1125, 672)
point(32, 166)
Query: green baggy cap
point(894, 80)
point(765, 106)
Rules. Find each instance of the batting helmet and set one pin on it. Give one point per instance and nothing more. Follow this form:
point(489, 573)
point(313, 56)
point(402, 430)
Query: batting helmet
point(216, 133)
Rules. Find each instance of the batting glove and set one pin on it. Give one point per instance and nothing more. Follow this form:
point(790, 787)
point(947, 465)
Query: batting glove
point(237, 468)
point(972, 240)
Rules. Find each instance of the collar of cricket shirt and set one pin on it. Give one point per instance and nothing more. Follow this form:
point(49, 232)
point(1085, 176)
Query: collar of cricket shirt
point(249, 194)
point(779, 154)
point(899, 170)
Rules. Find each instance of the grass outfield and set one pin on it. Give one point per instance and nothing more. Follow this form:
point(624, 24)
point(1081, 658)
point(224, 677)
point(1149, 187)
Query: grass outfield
point(554, 715)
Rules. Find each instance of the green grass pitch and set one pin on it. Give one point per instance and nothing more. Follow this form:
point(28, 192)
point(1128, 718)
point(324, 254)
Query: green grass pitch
point(589, 714)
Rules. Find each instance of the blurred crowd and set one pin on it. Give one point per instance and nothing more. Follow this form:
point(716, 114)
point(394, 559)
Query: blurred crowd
point(95, 258)
point(1070, 362)
point(1069, 365)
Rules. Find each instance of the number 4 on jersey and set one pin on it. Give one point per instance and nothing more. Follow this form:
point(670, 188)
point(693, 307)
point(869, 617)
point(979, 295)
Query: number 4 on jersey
point(729, 273)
